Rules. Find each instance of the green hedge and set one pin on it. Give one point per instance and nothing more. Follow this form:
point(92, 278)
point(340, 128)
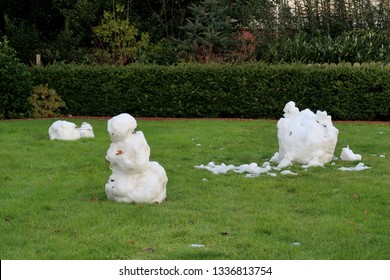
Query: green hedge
point(247, 91)
point(15, 84)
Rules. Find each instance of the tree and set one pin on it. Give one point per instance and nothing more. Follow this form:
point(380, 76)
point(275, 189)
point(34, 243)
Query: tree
point(160, 18)
point(29, 25)
point(209, 32)
point(117, 41)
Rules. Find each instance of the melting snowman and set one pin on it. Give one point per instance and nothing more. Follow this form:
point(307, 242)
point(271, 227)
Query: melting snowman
point(305, 137)
point(64, 130)
point(134, 178)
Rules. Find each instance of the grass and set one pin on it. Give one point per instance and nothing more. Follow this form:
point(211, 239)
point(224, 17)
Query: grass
point(53, 204)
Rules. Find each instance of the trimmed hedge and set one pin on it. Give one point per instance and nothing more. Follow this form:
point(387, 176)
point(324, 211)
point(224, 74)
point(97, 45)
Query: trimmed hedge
point(221, 90)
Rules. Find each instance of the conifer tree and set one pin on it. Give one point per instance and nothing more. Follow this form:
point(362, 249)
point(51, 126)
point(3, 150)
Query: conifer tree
point(209, 32)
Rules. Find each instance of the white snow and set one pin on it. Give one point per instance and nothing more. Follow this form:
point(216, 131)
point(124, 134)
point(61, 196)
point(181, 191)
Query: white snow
point(253, 168)
point(134, 178)
point(359, 167)
point(86, 130)
point(64, 130)
point(348, 155)
point(216, 169)
point(196, 245)
point(222, 168)
point(305, 137)
point(288, 172)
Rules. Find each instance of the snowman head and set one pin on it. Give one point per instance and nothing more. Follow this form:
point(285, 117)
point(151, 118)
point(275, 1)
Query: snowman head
point(121, 126)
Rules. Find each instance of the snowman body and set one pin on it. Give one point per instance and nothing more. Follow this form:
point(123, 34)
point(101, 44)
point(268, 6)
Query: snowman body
point(134, 178)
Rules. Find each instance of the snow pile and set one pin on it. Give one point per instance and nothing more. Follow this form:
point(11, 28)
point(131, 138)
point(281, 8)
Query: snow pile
point(359, 167)
point(252, 168)
point(305, 137)
point(348, 155)
point(64, 130)
point(288, 172)
point(86, 130)
point(134, 178)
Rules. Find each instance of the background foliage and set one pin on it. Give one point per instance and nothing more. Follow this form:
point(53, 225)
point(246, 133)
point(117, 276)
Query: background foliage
point(15, 84)
point(175, 32)
point(45, 102)
point(188, 30)
point(117, 41)
point(252, 90)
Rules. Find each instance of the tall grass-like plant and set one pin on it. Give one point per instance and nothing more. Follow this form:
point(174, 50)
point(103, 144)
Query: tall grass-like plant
point(324, 32)
point(356, 46)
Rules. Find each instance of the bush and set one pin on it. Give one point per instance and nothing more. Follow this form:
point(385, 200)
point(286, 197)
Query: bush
point(15, 84)
point(213, 90)
point(45, 102)
point(117, 39)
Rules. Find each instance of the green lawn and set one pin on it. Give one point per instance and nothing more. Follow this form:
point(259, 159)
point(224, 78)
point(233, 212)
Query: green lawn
point(53, 204)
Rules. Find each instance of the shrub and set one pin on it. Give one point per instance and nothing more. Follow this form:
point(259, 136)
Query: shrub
point(213, 90)
point(45, 102)
point(163, 53)
point(117, 39)
point(15, 84)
